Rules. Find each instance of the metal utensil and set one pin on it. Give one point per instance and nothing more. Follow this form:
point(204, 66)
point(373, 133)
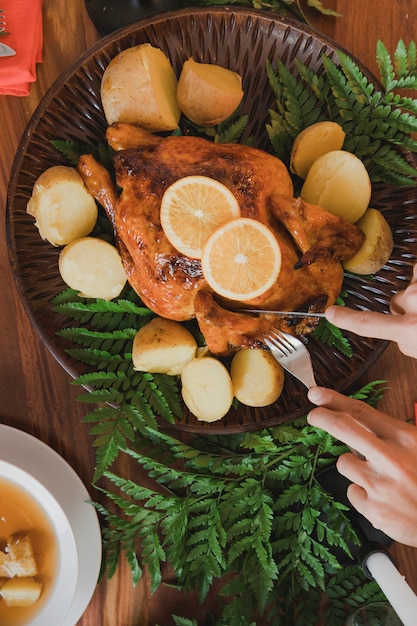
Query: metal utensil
point(283, 313)
point(6, 51)
point(294, 357)
point(292, 354)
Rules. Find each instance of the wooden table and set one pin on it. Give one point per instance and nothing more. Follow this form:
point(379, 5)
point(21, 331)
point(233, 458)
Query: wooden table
point(35, 392)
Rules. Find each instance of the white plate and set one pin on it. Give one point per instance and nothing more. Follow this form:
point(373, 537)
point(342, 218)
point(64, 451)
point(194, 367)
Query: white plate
point(50, 469)
point(61, 591)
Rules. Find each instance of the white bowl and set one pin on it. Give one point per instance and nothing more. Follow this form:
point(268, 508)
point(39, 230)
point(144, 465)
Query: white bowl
point(56, 605)
point(62, 494)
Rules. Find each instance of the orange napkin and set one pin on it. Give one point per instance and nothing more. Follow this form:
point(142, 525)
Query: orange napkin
point(24, 23)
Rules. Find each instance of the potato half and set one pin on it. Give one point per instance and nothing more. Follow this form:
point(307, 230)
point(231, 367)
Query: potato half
point(21, 592)
point(339, 182)
point(163, 346)
point(139, 87)
point(377, 247)
point(207, 388)
point(257, 377)
point(208, 93)
point(93, 267)
point(313, 142)
point(61, 205)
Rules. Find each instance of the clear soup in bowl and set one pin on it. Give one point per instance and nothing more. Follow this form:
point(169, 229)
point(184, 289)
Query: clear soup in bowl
point(38, 552)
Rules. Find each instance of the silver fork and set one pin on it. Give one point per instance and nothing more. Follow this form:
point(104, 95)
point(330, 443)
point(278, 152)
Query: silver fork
point(292, 354)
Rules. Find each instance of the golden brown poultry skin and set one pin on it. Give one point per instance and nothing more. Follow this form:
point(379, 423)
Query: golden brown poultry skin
point(166, 280)
point(227, 331)
point(312, 241)
point(318, 234)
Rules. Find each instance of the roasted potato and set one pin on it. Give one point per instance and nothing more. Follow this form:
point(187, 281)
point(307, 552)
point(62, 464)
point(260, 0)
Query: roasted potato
point(377, 247)
point(61, 205)
point(257, 378)
point(338, 182)
point(93, 267)
point(20, 591)
point(139, 87)
point(313, 142)
point(207, 388)
point(208, 93)
point(163, 346)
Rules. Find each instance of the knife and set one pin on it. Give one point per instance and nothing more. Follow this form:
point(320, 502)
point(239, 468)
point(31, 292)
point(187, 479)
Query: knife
point(6, 51)
point(283, 313)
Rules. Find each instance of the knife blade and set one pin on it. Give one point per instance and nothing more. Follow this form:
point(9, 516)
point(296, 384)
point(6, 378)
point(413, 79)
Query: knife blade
point(283, 313)
point(6, 51)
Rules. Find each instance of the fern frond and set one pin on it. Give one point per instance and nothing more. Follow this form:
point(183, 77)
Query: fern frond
point(372, 120)
point(333, 337)
point(385, 66)
point(74, 150)
point(231, 130)
point(71, 150)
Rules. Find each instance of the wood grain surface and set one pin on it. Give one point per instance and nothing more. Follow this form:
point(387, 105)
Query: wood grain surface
point(36, 394)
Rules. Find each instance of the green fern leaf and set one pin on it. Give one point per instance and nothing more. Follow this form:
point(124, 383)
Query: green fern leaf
point(332, 336)
point(319, 86)
point(401, 59)
point(231, 130)
point(318, 5)
point(228, 131)
point(371, 393)
point(372, 120)
point(90, 356)
point(385, 66)
point(71, 150)
point(183, 621)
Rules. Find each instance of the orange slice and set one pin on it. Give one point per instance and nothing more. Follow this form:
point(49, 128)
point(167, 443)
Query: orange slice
point(241, 259)
point(192, 208)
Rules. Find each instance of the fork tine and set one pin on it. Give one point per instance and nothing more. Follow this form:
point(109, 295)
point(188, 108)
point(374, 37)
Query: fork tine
point(281, 342)
point(292, 354)
point(273, 345)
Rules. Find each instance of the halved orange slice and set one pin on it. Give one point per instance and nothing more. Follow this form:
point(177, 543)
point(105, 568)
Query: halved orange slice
point(241, 259)
point(192, 208)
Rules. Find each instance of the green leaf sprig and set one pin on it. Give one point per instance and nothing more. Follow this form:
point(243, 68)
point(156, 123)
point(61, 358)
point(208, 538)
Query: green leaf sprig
point(129, 400)
point(294, 8)
point(73, 150)
point(378, 122)
point(331, 335)
point(248, 508)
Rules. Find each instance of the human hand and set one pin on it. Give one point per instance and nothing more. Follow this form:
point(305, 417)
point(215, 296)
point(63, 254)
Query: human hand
point(400, 327)
point(384, 482)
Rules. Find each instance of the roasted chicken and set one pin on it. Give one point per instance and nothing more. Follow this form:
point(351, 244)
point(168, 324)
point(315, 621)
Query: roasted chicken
point(312, 241)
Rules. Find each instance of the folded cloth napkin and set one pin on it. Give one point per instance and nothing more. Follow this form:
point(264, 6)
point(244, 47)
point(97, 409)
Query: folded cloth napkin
point(24, 23)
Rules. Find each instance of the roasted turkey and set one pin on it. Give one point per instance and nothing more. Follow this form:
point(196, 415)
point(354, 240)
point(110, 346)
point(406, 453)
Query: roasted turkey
point(312, 241)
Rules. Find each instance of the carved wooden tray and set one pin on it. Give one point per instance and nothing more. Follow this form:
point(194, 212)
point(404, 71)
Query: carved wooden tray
point(241, 40)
